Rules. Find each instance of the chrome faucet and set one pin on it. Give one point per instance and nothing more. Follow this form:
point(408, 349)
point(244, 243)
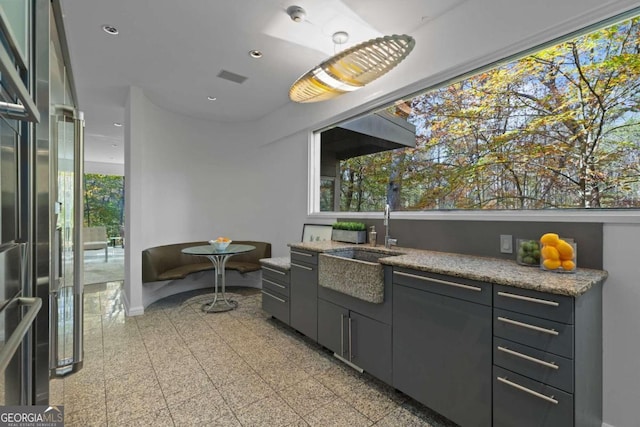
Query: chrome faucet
point(388, 241)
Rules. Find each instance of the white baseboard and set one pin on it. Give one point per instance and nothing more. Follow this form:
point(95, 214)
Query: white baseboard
point(131, 311)
point(607, 425)
point(154, 291)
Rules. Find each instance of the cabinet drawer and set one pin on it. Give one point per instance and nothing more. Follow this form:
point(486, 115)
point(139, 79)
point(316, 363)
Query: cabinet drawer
point(456, 287)
point(273, 286)
point(307, 257)
point(557, 371)
point(276, 305)
point(539, 333)
point(540, 304)
point(519, 401)
point(276, 275)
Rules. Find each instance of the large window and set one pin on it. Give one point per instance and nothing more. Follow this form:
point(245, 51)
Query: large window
point(556, 129)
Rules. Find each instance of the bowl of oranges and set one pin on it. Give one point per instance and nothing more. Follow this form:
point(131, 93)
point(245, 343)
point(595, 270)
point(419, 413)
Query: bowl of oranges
point(557, 254)
point(221, 243)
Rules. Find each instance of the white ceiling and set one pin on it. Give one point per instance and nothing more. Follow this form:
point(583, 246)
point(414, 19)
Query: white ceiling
point(174, 50)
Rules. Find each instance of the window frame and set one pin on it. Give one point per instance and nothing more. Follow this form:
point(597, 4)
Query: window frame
point(611, 215)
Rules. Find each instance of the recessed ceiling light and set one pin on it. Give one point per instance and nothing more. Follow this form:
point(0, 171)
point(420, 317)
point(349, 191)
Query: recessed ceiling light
point(255, 54)
point(114, 145)
point(211, 98)
point(110, 30)
point(117, 124)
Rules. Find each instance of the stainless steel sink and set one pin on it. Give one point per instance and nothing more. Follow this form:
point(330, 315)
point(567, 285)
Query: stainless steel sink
point(355, 272)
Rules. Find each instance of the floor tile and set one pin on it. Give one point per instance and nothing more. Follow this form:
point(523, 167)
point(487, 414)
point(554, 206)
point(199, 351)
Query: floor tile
point(307, 396)
point(207, 408)
point(87, 417)
point(271, 411)
point(337, 413)
point(245, 390)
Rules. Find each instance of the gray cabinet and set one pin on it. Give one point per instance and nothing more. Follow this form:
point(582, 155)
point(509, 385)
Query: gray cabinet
point(547, 358)
point(442, 330)
point(275, 292)
point(303, 293)
point(358, 339)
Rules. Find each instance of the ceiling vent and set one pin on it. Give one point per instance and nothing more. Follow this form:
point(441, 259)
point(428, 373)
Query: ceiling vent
point(232, 77)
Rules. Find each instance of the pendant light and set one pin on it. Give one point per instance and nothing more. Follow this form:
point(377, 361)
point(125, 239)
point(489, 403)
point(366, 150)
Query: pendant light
point(351, 69)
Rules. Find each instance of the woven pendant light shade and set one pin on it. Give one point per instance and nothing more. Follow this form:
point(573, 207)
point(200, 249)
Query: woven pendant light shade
point(351, 69)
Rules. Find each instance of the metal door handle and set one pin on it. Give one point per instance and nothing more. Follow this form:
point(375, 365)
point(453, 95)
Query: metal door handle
point(528, 326)
point(273, 296)
point(301, 266)
point(274, 283)
point(529, 299)
point(302, 253)
point(529, 358)
point(342, 335)
point(442, 282)
point(528, 390)
point(274, 270)
point(14, 341)
point(350, 346)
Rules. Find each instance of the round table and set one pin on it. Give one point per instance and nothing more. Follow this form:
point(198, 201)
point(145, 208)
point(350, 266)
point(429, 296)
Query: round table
point(219, 259)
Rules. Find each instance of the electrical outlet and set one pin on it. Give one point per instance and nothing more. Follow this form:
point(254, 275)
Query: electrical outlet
point(506, 244)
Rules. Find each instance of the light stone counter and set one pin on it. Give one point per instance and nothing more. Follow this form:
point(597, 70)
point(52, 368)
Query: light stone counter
point(493, 270)
point(283, 263)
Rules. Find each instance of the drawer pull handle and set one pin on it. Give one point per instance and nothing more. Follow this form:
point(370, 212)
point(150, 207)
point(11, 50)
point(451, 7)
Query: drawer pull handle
point(528, 390)
point(529, 358)
point(529, 299)
point(302, 253)
point(274, 283)
point(528, 326)
point(273, 296)
point(301, 266)
point(274, 270)
point(442, 282)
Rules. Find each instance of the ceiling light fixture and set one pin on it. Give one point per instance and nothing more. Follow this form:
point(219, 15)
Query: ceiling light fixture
point(211, 98)
point(110, 30)
point(114, 145)
point(118, 125)
point(351, 69)
point(296, 13)
point(255, 54)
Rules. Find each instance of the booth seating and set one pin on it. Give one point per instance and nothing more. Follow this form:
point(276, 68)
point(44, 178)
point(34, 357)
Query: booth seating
point(169, 263)
point(95, 238)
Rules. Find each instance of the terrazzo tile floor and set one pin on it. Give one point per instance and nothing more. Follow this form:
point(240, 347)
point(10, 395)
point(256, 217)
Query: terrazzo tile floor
point(178, 366)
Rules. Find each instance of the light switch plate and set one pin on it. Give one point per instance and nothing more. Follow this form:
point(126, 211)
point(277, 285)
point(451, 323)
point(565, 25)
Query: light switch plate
point(506, 244)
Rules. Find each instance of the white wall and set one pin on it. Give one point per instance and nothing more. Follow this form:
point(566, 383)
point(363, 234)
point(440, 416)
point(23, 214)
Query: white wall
point(193, 180)
point(104, 168)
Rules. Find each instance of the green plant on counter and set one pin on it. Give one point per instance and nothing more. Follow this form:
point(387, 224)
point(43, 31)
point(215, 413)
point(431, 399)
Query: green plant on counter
point(351, 226)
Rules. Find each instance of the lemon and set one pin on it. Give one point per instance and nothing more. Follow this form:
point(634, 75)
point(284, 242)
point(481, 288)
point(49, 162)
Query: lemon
point(551, 264)
point(568, 265)
point(565, 250)
point(550, 253)
point(549, 239)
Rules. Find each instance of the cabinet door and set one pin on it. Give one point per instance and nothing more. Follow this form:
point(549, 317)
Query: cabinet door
point(442, 354)
point(332, 327)
point(303, 300)
point(370, 345)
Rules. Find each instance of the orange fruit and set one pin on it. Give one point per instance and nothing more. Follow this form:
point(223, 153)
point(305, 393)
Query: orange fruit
point(568, 265)
point(549, 239)
point(551, 264)
point(550, 253)
point(565, 250)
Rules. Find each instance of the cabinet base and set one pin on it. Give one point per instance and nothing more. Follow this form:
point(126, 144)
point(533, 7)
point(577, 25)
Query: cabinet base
point(342, 359)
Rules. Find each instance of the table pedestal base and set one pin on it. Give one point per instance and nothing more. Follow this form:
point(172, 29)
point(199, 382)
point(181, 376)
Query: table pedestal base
point(219, 305)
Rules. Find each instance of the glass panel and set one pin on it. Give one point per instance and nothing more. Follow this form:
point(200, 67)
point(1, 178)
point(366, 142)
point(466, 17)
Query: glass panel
point(16, 13)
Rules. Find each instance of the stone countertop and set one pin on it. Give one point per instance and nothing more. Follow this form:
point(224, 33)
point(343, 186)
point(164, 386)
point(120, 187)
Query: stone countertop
point(493, 270)
point(283, 263)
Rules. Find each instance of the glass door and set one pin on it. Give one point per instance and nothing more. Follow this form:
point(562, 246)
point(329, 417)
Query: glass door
point(67, 280)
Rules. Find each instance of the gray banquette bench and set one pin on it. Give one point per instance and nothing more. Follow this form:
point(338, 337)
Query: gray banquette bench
point(169, 263)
